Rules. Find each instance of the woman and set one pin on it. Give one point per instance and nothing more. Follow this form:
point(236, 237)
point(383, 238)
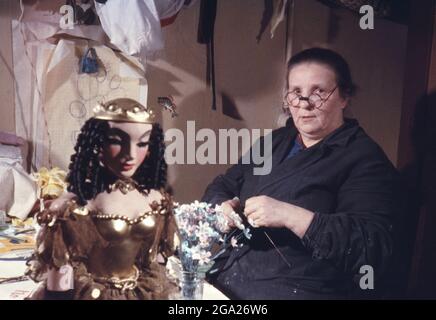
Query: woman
point(104, 242)
point(325, 210)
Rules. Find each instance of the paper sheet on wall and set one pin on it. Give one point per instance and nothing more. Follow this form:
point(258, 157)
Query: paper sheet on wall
point(48, 80)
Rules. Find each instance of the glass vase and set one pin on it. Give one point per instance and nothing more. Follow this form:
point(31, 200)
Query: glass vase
point(191, 285)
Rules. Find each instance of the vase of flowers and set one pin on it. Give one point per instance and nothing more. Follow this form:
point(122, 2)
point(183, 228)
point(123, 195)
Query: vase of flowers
point(200, 227)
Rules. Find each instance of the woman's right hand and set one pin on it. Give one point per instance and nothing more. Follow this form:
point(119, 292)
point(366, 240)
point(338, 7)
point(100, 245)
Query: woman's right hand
point(228, 207)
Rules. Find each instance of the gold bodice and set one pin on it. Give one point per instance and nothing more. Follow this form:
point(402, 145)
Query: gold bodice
point(125, 239)
point(113, 257)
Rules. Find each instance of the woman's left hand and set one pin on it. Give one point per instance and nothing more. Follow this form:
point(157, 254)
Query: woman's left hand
point(264, 211)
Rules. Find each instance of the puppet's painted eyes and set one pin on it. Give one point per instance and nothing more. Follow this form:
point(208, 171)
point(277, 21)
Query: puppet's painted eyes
point(143, 144)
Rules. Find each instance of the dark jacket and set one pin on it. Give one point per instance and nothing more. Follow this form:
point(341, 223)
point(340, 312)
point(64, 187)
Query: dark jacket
point(350, 185)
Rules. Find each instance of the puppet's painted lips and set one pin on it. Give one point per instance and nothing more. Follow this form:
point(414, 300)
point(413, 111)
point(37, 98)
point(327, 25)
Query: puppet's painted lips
point(127, 167)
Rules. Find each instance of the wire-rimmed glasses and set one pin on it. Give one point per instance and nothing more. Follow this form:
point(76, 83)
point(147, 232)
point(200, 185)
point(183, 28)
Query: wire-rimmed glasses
point(315, 100)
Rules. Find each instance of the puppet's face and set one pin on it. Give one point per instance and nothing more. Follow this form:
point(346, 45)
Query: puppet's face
point(125, 148)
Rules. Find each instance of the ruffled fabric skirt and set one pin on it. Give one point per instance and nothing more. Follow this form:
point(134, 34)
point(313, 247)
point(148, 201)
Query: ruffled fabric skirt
point(152, 284)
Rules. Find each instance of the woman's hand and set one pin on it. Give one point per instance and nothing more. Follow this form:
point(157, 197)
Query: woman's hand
point(228, 207)
point(264, 211)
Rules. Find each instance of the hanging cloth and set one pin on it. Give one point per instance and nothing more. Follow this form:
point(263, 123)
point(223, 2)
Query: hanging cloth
point(133, 26)
point(168, 10)
point(278, 14)
point(206, 36)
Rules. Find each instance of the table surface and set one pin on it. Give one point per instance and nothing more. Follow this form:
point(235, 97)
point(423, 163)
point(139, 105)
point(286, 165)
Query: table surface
point(21, 289)
point(10, 249)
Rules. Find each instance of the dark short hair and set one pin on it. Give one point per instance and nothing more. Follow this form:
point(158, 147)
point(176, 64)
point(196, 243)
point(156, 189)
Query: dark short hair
point(331, 59)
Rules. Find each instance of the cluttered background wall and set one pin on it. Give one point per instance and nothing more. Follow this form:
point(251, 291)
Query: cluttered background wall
point(249, 73)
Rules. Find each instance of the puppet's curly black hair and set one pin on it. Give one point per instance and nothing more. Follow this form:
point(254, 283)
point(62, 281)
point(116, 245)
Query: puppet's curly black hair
point(87, 178)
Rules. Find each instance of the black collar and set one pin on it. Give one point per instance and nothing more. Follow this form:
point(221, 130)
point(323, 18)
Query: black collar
point(339, 137)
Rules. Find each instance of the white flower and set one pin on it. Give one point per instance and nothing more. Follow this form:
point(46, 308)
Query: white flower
point(203, 257)
point(234, 242)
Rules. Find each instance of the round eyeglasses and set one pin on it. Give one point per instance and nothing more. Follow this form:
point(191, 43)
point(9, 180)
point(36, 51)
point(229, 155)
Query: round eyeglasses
point(292, 99)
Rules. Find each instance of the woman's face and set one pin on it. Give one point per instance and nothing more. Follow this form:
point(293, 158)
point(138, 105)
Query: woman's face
point(305, 79)
point(125, 148)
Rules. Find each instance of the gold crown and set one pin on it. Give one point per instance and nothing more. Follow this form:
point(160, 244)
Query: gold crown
point(123, 109)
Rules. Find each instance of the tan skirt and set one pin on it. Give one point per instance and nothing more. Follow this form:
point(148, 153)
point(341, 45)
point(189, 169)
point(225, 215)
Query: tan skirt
point(151, 284)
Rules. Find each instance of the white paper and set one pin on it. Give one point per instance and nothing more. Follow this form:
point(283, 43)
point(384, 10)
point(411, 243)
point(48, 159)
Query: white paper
point(49, 83)
point(17, 290)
